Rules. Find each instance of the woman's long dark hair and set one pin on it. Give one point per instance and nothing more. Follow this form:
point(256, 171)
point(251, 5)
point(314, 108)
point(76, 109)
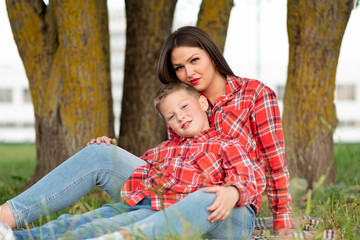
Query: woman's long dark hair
point(189, 36)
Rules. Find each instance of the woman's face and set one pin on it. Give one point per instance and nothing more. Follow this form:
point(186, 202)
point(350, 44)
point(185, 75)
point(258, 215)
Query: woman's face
point(193, 65)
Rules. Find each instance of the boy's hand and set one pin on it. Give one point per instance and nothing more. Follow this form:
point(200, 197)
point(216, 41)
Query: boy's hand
point(103, 139)
point(226, 199)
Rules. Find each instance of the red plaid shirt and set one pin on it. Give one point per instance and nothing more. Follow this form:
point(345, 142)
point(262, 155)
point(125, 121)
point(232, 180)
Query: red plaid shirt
point(180, 166)
point(249, 112)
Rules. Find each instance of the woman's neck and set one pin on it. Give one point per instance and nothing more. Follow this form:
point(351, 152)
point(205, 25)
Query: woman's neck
point(216, 89)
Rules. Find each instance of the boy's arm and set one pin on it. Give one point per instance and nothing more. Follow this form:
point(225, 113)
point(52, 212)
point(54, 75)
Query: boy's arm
point(153, 154)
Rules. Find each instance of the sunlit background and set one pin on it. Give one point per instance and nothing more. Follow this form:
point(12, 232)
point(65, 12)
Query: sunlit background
point(256, 47)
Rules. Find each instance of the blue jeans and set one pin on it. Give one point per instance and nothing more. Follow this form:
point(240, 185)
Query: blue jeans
point(96, 165)
point(185, 218)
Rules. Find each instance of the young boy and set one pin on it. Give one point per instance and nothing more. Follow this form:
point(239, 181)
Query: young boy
point(174, 179)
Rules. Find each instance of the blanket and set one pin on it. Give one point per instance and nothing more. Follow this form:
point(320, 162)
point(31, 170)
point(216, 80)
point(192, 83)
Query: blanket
point(307, 229)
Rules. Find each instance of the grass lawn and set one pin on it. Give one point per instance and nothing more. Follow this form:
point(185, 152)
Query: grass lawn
point(17, 164)
point(338, 206)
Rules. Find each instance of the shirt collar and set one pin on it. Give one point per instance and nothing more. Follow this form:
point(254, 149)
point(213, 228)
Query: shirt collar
point(233, 85)
point(201, 137)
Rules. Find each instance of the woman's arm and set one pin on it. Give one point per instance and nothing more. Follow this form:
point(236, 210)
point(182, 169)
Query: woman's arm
point(226, 199)
point(267, 129)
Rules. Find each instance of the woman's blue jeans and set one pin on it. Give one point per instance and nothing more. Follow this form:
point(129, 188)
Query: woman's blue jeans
point(96, 165)
point(187, 219)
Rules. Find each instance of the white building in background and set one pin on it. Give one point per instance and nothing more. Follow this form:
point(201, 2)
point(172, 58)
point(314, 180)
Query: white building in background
point(256, 47)
point(16, 109)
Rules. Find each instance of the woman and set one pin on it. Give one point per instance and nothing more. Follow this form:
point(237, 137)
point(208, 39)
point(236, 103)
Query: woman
point(245, 109)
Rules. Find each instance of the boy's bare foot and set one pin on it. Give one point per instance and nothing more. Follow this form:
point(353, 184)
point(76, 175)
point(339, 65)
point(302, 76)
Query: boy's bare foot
point(6, 216)
point(126, 234)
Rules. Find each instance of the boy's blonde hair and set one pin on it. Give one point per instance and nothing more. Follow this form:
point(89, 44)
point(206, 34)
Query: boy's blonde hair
point(169, 88)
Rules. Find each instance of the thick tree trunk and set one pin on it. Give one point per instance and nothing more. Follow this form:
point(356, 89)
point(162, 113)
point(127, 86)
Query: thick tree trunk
point(148, 24)
point(213, 18)
point(65, 51)
point(315, 30)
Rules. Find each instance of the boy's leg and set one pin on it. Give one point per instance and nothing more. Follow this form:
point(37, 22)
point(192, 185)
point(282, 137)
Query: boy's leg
point(105, 166)
point(188, 218)
point(106, 219)
point(100, 227)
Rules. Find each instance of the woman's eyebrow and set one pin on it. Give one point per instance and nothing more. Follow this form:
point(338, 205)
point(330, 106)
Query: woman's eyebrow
point(187, 60)
point(191, 57)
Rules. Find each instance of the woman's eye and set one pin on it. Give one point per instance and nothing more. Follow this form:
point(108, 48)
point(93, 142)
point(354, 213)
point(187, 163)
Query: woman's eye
point(171, 117)
point(194, 60)
point(178, 68)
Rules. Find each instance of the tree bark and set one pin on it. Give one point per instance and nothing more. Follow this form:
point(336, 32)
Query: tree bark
point(315, 31)
point(64, 47)
point(213, 18)
point(148, 24)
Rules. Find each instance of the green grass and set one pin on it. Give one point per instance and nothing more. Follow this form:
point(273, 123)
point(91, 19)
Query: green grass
point(338, 205)
point(17, 164)
point(347, 163)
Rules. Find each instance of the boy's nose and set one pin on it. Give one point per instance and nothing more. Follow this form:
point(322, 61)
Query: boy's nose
point(181, 117)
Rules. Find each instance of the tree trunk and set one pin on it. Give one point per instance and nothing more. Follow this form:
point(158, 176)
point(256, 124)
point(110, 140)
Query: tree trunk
point(148, 24)
point(213, 18)
point(64, 47)
point(315, 31)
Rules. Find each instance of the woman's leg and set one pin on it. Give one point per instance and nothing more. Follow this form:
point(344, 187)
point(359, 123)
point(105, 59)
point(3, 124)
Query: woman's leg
point(105, 166)
point(188, 218)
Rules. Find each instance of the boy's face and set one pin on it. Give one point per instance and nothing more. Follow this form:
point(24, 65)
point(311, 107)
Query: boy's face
point(184, 113)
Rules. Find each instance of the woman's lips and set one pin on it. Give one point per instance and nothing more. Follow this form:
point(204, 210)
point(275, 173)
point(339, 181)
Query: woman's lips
point(194, 81)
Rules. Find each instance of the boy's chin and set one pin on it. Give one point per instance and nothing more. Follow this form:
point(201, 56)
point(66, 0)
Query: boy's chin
point(189, 135)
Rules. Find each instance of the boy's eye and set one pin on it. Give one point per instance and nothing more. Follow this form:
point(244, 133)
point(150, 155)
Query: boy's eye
point(184, 106)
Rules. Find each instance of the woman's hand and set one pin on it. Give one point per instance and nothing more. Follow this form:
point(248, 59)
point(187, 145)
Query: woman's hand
point(103, 139)
point(226, 199)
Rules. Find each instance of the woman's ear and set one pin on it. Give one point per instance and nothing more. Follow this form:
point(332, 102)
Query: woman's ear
point(204, 103)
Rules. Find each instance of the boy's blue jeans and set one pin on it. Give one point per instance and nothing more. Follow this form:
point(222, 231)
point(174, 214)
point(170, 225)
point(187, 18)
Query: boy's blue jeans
point(185, 218)
point(96, 165)
point(105, 166)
